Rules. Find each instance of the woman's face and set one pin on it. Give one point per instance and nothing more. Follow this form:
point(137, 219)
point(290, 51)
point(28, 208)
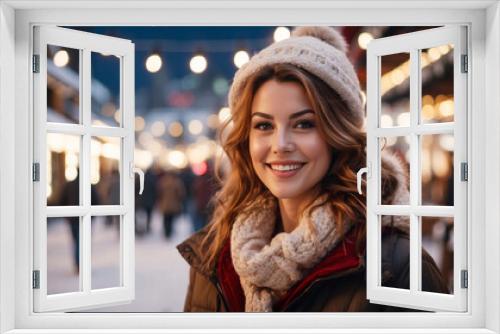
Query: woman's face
point(288, 153)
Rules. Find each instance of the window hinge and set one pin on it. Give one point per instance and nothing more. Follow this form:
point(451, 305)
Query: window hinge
point(36, 172)
point(464, 171)
point(465, 66)
point(465, 279)
point(36, 63)
point(36, 279)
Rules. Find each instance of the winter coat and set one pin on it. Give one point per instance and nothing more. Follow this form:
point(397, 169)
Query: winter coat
point(336, 284)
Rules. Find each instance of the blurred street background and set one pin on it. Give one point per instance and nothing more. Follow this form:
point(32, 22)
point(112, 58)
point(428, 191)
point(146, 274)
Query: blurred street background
point(182, 76)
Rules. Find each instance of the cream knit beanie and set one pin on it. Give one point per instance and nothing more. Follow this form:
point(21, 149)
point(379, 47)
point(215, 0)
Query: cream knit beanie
point(318, 50)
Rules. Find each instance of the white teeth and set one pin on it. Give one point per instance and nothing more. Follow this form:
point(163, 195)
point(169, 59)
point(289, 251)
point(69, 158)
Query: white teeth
point(285, 167)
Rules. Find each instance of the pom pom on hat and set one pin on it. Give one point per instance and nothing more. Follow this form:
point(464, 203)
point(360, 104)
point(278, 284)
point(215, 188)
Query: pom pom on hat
point(326, 34)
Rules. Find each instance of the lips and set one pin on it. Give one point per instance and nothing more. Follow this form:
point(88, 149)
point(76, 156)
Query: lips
point(285, 169)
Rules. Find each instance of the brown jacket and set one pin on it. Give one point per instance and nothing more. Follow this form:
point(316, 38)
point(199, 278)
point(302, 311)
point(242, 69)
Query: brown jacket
point(341, 289)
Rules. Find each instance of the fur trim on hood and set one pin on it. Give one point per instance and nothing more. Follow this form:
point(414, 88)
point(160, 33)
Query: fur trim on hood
point(396, 192)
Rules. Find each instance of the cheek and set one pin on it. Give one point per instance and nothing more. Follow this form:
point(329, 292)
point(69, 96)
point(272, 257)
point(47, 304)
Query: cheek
point(317, 150)
point(257, 149)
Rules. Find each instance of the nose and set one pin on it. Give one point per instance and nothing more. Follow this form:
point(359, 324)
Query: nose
point(283, 142)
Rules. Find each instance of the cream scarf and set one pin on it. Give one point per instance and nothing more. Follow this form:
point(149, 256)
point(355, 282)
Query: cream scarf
point(270, 265)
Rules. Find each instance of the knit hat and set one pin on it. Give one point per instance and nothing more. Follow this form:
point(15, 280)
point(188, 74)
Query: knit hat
point(319, 50)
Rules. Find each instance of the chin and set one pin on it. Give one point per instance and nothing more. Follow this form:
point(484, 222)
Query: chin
point(284, 193)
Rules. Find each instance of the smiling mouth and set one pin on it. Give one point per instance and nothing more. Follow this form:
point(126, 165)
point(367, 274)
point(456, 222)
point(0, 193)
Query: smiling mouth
point(285, 170)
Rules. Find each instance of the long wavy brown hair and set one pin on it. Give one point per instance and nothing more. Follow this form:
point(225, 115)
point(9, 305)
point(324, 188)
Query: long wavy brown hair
point(343, 133)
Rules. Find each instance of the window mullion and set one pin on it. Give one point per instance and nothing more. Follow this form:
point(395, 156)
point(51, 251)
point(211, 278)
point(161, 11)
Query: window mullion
point(419, 129)
point(414, 170)
point(85, 110)
point(85, 186)
point(85, 253)
point(420, 210)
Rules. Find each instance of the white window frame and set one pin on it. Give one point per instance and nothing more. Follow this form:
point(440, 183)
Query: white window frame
point(16, 215)
point(87, 44)
point(411, 44)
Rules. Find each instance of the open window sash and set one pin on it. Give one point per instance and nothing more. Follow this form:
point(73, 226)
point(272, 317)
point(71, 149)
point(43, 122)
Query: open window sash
point(412, 45)
point(86, 44)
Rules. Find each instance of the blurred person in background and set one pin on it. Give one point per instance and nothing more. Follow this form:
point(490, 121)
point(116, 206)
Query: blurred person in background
point(70, 196)
point(204, 188)
point(187, 176)
point(113, 198)
point(171, 195)
point(289, 227)
point(140, 211)
point(150, 192)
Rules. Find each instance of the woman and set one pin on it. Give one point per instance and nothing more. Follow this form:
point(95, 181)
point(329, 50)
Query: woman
point(288, 230)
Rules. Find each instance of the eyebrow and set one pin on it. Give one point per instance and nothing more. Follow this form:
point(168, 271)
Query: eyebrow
point(294, 115)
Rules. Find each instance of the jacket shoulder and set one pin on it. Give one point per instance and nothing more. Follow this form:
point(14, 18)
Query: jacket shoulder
point(396, 265)
point(201, 294)
point(395, 257)
point(193, 252)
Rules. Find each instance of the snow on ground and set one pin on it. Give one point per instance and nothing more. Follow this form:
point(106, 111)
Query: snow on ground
point(161, 273)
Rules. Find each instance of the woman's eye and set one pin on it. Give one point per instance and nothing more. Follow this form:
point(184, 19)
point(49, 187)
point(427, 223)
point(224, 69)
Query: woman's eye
point(305, 124)
point(263, 126)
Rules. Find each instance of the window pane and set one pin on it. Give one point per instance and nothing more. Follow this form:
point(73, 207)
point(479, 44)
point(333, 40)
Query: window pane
point(63, 85)
point(105, 90)
point(105, 252)
point(437, 241)
point(437, 84)
point(399, 149)
point(395, 90)
point(63, 169)
point(63, 255)
point(395, 249)
point(437, 169)
point(105, 155)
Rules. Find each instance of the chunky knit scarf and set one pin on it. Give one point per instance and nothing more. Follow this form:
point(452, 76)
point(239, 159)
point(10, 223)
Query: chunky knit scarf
point(267, 265)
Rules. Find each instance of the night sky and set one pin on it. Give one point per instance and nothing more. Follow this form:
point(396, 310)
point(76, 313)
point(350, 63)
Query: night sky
point(177, 45)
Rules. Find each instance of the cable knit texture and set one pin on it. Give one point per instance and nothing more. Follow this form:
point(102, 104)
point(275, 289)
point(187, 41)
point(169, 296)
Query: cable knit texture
point(266, 263)
point(268, 266)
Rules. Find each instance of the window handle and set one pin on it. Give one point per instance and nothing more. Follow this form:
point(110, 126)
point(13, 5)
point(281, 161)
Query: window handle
point(359, 174)
point(133, 171)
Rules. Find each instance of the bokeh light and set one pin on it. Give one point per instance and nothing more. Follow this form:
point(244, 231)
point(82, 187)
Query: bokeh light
point(61, 58)
point(240, 58)
point(198, 64)
point(224, 114)
point(139, 123)
point(281, 33)
point(175, 129)
point(364, 39)
point(195, 127)
point(158, 129)
point(154, 63)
